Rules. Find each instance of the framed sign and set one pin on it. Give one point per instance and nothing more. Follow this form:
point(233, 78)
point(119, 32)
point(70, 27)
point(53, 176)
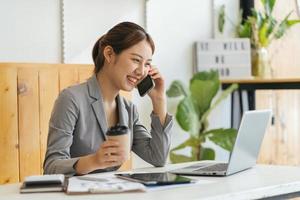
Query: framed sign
point(230, 57)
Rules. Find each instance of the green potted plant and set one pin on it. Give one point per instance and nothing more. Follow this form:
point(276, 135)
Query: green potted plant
point(262, 28)
point(192, 112)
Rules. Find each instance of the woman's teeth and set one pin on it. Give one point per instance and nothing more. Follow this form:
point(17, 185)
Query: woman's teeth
point(132, 79)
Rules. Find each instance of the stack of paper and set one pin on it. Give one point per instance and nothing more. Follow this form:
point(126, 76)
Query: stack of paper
point(79, 185)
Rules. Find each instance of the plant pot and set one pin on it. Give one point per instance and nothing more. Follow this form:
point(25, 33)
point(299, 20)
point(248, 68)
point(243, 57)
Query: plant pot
point(261, 65)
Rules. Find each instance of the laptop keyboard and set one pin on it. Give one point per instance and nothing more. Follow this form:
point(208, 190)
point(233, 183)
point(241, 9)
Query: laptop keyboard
point(216, 167)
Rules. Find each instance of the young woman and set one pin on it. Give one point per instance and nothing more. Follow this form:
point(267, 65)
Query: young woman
point(82, 114)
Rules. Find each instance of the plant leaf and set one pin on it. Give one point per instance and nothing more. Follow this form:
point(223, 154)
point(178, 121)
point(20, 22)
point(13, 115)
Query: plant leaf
point(211, 75)
point(207, 154)
point(223, 96)
point(187, 116)
point(191, 142)
point(244, 30)
point(178, 158)
point(268, 6)
point(176, 89)
point(221, 19)
point(203, 87)
point(224, 138)
point(284, 25)
point(257, 17)
point(271, 25)
point(291, 23)
point(263, 35)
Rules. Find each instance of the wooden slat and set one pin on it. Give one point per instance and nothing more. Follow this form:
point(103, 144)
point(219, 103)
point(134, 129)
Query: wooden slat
point(281, 142)
point(288, 129)
point(48, 91)
point(29, 136)
point(9, 154)
point(84, 73)
point(67, 77)
point(265, 101)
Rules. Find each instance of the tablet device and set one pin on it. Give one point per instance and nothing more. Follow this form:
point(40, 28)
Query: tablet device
point(149, 179)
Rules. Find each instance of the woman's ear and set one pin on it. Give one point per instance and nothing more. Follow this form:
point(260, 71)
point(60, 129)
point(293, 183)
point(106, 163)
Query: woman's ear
point(109, 54)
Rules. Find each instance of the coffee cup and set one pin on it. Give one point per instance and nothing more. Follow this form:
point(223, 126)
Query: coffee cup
point(121, 134)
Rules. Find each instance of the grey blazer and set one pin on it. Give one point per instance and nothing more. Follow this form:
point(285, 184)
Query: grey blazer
point(78, 126)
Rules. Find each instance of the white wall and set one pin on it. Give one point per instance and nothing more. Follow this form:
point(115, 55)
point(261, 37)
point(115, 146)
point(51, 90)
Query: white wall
point(85, 22)
point(30, 31)
point(175, 27)
point(231, 17)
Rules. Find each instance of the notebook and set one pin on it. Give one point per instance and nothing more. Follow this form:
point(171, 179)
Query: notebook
point(43, 183)
point(245, 151)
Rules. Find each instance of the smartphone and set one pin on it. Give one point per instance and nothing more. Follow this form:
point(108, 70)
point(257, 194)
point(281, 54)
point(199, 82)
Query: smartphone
point(145, 85)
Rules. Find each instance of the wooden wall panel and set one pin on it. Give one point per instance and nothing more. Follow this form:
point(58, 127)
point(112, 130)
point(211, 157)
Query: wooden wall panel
point(67, 76)
point(29, 132)
point(287, 127)
point(27, 95)
point(9, 154)
point(48, 92)
point(282, 141)
point(281, 144)
point(265, 154)
point(84, 74)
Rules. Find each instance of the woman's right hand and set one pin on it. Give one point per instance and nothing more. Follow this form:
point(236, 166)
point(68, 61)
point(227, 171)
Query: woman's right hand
point(109, 154)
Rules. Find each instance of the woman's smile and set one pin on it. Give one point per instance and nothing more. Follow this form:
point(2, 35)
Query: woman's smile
point(132, 80)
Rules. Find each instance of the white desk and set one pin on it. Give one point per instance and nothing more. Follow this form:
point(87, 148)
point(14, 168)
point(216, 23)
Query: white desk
point(259, 182)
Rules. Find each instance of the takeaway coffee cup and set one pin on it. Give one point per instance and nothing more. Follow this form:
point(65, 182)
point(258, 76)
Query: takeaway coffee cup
point(122, 135)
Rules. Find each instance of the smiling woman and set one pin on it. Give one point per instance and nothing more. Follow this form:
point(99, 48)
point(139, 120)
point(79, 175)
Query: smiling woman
point(82, 114)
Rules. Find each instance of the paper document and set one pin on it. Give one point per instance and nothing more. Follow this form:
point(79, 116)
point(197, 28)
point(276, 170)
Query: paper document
point(108, 183)
point(103, 184)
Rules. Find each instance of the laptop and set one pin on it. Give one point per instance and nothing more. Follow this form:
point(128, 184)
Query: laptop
point(245, 151)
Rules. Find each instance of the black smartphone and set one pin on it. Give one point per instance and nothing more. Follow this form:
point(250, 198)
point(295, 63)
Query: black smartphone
point(145, 85)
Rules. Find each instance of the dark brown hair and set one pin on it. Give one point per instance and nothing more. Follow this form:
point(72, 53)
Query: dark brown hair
point(121, 37)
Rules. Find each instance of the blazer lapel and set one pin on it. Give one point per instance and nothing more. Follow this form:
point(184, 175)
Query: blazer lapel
point(97, 105)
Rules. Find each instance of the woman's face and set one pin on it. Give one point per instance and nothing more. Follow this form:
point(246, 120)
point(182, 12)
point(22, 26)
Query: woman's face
point(131, 66)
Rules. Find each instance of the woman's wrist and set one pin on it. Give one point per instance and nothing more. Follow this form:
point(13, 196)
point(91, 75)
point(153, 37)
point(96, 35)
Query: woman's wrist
point(86, 164)
point(159, 105)
point(158, 99)
point(160, 108)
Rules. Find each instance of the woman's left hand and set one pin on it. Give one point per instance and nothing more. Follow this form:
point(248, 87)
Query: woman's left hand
point(158, 91)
